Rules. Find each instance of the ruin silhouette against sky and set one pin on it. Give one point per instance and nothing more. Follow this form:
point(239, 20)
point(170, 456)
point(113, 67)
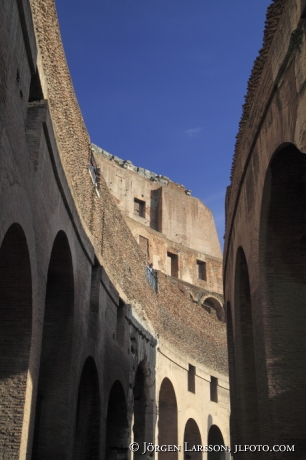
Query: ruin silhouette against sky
point(161, 83)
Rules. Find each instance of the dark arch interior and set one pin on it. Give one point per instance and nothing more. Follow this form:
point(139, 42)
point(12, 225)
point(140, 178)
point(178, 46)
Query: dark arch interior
point(246, 386)
point(283, 270)
point(117, 428)
point(51, 423)
point(15, 333)
point(212, 304)
point(167, 423)
point(192, 437)
point(88, 414)
point(215, 438)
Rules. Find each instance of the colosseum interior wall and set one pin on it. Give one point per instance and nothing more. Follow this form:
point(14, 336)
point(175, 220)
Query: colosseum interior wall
point(91, 356)
point(264, 258)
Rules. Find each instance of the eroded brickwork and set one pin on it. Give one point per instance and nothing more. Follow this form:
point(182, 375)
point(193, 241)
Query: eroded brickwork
point(264, 262)
point(168, 206)
point(121, 257)
point(175, 231)
point(81, 328)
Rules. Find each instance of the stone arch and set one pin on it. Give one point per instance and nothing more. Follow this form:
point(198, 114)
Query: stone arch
point(117, 425)
point(192, 437)
point(168, 419)
point(215, 439)
point(211, 303)
point(143, 427)
point(15, 335)
point(246, 386)
point(87, 431)
point(282, 263)
point(52, 429)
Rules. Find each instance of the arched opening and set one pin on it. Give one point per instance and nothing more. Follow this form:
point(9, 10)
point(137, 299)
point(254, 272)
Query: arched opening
point(192, 437)
point(87, 430)
point(246, 387)
point(211, 305)
point(283, 276)
point(117, 426)
point(52, 429)
point(15, 335)
point(215, 439)
point(167, 423)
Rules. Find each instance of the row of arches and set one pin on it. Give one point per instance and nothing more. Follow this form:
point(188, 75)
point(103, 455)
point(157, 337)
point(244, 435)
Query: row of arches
point(56, 433)
point(168, 429)
point(15, 330)
point(16, 311)
point(266, 324)
point(118, 437)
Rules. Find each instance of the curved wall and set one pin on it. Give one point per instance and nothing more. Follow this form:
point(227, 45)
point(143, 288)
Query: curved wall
point(101, 217)
point(266, 218)
point(80, 282)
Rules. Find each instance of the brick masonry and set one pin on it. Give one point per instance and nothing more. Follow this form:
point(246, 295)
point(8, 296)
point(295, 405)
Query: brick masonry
point(79, 322)
point(264, 260)
point(120, 254)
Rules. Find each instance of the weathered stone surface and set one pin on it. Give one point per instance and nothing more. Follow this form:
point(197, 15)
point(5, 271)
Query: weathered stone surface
point(264, 260)
point(81, 329)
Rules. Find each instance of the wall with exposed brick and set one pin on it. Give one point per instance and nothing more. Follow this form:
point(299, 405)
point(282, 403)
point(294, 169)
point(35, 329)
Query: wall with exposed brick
point(76, 309)
point(120, 254)
point(264, 260)
point(158, 246)
point(169, 208)
point(172, 221)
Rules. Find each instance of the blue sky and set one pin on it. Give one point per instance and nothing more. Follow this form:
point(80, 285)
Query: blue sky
point(162, 82)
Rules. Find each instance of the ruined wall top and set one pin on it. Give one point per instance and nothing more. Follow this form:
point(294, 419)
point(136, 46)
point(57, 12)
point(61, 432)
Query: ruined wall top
point(273, 15)
point(175, 317)
point(165, 205)
point(284, 37)
point(145, 173)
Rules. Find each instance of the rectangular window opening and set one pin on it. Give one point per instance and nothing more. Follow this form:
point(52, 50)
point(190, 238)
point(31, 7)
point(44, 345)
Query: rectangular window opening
point(172, 264)
point(144, 245)
point(201, 267)
point(191, 378)
point(139, 207)
point(214, 389)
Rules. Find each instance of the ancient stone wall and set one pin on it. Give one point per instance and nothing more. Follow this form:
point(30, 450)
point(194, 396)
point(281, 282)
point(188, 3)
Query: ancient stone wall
point(120, 254)
point(168, 206)
point(174, 230)
point(156, 246)
point(80, 325)
point(264, 260)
